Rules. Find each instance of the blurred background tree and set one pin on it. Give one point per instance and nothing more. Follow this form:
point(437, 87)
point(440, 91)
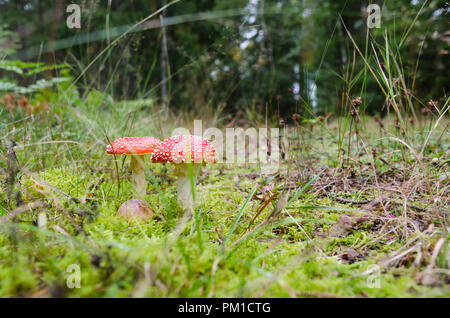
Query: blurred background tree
point(241, 56)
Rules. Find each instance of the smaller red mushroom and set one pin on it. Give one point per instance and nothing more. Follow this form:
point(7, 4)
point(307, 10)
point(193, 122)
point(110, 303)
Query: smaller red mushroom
point(137, 147)
point(183, 151)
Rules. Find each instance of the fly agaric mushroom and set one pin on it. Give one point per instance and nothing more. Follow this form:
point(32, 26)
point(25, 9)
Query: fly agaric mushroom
point(137, 147)
point(183, 151)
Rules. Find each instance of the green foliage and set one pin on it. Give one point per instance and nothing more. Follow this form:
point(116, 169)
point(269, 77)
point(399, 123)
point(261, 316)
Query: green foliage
point(27, 69)
point(8, 41)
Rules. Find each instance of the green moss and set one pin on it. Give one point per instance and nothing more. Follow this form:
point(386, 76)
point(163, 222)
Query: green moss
point(119, 257)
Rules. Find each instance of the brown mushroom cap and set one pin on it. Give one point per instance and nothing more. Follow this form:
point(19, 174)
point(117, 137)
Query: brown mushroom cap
point(135, 208)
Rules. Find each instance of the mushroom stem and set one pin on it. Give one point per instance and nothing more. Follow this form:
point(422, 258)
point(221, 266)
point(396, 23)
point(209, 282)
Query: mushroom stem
point(184, 189)
point(138, 174)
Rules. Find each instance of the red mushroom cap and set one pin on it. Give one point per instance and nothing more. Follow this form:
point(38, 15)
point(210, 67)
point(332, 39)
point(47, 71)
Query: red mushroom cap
point(175, 150)
point(133, 146)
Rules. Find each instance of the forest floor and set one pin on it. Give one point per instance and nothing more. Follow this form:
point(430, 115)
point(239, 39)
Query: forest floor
point(372, 224)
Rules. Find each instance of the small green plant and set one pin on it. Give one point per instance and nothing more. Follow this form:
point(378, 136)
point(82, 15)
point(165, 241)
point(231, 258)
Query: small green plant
point(28, 72)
